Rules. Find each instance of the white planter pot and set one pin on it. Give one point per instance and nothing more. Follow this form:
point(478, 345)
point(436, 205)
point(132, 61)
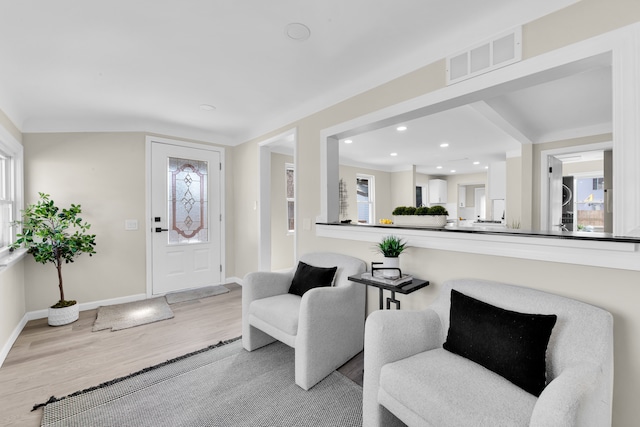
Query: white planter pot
point(63, 316)
point(420, 220)
point(390, 262)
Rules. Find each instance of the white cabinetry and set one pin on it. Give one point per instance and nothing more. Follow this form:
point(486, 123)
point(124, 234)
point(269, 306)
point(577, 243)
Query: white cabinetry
point(462, 196)
point(437, 191)
point(497, 180)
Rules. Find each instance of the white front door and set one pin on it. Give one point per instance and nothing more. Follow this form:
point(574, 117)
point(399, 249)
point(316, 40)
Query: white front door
point(185, 217)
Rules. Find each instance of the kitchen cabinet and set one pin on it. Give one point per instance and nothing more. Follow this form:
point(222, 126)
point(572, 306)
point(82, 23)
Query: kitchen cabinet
point(437, 191)
point(462, 196)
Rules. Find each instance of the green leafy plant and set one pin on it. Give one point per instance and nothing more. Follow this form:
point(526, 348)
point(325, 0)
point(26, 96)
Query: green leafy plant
point(391, 246)
point(422, 210)
point(437, 210)
point(410, 210)
point(54, 235)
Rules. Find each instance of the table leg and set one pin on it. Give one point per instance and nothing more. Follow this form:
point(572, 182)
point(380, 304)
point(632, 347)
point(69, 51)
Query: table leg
point(392, 300)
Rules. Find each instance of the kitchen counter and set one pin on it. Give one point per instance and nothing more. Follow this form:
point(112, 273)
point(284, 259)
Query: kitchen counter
point(581, 248)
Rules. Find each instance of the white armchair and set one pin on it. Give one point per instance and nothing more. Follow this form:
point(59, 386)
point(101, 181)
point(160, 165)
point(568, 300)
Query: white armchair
point(410, 379)
point(325, 326)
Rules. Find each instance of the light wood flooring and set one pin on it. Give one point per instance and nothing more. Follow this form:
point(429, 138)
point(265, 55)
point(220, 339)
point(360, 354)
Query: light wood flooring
point(55, 361)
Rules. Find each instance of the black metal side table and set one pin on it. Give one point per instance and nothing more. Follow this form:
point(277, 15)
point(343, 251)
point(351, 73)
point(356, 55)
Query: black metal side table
point(405, 288)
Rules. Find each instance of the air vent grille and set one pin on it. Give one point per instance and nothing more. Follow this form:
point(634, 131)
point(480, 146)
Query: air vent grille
point(489, 55)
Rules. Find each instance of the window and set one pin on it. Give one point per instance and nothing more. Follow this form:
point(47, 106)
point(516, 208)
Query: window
point(364, 198)
point(10, 187)
point(7, 200)
point(291, 201)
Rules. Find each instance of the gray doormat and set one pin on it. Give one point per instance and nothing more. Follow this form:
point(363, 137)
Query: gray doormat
point(130, 314)
point(220, 386)
point(193, 294)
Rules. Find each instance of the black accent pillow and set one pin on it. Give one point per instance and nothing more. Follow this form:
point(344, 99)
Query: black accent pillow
point(309, 277)
point(511, 344)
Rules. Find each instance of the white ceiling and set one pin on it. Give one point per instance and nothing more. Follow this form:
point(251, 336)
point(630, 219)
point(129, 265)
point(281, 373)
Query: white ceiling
point(147, 65)
point(569, 107)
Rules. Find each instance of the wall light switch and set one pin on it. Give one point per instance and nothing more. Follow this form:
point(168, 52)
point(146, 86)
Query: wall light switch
point(131, 224)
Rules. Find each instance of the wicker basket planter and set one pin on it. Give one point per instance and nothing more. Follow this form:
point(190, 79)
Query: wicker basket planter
point(63, 316)
point(437, 221)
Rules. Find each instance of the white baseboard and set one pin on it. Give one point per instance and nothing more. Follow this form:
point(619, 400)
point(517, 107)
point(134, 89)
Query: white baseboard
point(12, 339)
point(41, 314)
point(237, 280)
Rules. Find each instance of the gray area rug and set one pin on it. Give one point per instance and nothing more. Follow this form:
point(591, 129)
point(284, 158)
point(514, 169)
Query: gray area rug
point(128, 315)
point(193, 294)
point(221, 386)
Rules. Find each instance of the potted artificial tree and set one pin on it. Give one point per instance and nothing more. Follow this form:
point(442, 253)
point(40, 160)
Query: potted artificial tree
point(57, 236)
point(391, 247)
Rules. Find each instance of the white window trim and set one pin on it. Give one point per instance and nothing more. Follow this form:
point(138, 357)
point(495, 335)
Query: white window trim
point(372, 199)
point(291, 166)
point(10, 146)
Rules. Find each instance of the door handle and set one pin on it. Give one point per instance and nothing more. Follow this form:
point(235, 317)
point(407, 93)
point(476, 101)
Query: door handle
point(159, 230)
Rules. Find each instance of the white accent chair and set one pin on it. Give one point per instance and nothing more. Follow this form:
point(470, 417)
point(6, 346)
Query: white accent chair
point(409, 378)
point(325, 326)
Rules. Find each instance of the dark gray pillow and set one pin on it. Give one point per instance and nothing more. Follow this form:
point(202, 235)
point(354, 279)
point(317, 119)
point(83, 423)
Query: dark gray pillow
point(509, 343)
point(309, 277)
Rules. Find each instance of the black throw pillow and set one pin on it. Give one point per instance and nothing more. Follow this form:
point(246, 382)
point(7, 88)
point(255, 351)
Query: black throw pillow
point(309, 277)
point(509, 343)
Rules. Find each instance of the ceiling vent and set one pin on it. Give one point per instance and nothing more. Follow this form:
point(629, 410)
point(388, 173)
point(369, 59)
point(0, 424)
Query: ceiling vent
point(489, 55)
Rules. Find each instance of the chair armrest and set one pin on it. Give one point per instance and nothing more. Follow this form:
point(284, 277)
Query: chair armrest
point(390, 336)
point(561, 402)
point(255, 286)
point(330, 331)
point(264, 284)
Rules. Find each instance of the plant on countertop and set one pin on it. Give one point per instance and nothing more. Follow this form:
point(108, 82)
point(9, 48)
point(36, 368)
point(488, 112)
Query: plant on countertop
point(391, 246)
point(46, 234)
point(409, 210)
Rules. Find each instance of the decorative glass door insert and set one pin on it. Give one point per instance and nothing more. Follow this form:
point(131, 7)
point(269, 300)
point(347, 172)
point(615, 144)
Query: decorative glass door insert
point(188, 200)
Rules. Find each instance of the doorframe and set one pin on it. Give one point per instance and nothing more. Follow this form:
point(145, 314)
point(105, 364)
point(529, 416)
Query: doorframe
point(544, 178)
point(264, 197)
point(149, 140)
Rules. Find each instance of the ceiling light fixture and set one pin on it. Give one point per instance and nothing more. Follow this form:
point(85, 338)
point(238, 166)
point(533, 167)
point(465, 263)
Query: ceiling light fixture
point(401, 128)
point(207, 107)
point(453, 171)
point(297, 31)
point(348, 141)
point(476, 163)
point(438, 167)
point(444, 145)
point(393, 154)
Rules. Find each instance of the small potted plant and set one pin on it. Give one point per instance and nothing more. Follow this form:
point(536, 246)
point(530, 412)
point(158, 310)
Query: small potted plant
point(391, 247)
point(57, 236)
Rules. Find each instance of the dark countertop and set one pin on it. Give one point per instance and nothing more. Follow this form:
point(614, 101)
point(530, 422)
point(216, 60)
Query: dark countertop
point(492, 229)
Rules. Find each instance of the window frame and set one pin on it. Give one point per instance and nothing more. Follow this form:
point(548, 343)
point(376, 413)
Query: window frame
point(291, 214)
point(371, 198)
point(13, 178)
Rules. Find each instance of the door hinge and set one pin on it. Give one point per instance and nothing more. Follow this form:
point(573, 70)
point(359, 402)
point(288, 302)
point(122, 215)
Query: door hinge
point(550, 169)
point(220, 166)
point(220, 268)
point(220, 217)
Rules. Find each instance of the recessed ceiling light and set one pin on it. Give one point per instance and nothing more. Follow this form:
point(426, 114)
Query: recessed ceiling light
point(438, 167)
point(348, 141)
point(486, 167)
point(444, 145)
point(401, 128)
point(393, 154)
point(297, 31)
point(476, 163)
point(453, 171)
point(207, 107)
